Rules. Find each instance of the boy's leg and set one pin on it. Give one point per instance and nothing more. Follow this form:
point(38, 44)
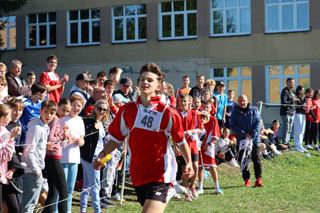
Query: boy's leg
point(153, 206)
point(194, 177)
point(31, 191)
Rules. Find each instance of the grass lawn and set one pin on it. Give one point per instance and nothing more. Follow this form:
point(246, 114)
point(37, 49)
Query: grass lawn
point(291, 184)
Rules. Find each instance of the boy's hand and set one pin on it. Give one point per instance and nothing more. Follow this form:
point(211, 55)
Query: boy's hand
point(97, 125)
point(188, 171)
point(97, 163)
point(50, 146)
point(37, 175)
point(15, 132)
point(9, 174)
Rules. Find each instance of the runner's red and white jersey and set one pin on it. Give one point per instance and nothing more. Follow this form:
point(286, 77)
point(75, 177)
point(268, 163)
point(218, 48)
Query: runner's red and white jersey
point(148, 129)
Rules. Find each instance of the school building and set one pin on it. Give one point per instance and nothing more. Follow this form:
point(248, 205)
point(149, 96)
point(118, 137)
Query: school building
point(251, 45)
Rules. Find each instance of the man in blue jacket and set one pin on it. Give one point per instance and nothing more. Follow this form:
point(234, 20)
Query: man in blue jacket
point(246, 124)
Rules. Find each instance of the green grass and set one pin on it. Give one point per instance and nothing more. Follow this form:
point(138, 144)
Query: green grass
point(291, 184)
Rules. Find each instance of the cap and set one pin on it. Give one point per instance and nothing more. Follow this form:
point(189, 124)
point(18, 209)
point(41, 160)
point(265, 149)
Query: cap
point(221, 83)
point(83, 76)
point(205, 114)
point(118, 98)
point(126, 81)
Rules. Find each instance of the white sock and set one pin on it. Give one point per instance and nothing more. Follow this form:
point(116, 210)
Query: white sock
point(200, 184)
point(216, 184)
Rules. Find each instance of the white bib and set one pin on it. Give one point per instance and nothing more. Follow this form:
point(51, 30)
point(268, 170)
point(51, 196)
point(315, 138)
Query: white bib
point(52, 76)
point(148, 119)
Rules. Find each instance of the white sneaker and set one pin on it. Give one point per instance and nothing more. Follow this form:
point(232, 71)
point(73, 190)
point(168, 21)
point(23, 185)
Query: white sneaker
point(276, 152)
point(200, 191)
point(180, 189)
point(171, 193)
point(308, 146)
point(304, 149)
point(299, 150)
point(233, 163)
point(177, 196)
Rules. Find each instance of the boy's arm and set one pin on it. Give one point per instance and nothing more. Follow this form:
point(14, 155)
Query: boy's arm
point(109, 147)
point(32, 140)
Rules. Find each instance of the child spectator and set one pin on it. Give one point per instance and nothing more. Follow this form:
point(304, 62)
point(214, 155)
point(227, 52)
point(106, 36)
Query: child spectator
point(31, 78)
point(275, 138)
point(309, 116)
point(6, 153)
point(196, 104)
point(192, 125)
point(3, 90)
point(52, 80)
point(33, 104)
point(222, 100)
point(114, 74)
point(170, 94)
point(101, 78)
point(59, 135)
point(185, 86)
point(315, 127)
point(34, 154)
point(265, 135)
point(208, 151)
point(299, 121)
point(71, 153)
point(230, 107)
point(17, 107)
point(210, 85)
point(3, 69)
point(197, 90)
point(225, 149)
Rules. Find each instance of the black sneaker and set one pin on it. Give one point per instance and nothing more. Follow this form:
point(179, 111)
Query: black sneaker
point(103, 206)
point(107, 202)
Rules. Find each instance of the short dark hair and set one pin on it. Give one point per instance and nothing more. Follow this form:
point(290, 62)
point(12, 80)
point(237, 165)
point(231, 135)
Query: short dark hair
point(50, 57)
point(64, 101)
point(50, 105)
point(38, 87)
point(289, 79)
point(31, 73)
point(275, 121)
point(153, 68)
point(185, 76)
point(108, 82)
point(113, 70)
point(309, 90)
point(14, 102)
point(101, 74)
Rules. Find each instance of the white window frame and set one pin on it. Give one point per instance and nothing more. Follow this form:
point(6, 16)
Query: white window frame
point(79, 21)
point(37, 24)
point(185, 22)
point(295, 18)
point(282, 78)
point(239, 78)
point(7, 28)
point(238, 8)
point(124, 17)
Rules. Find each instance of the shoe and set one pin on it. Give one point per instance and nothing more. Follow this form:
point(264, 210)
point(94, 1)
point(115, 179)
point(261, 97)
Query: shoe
point(276, 152)
point(247, 183)
point(188, 198)
point(218, 191)
point(115, 197)
point(194, 193)
point(233, 163)
point(103, 206)
point(304, 149)
point(171, 193)
point(180, 189)
point(308, 146)
point(107, 202)
point(315, 147)
point(177, 196)
point(259, 182)
point(200, 191)
point(299, 150)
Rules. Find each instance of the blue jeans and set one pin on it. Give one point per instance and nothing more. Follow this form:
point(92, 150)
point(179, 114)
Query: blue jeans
point(70, 170)
point(287, 122)
point(31, 191)
point(91, 179)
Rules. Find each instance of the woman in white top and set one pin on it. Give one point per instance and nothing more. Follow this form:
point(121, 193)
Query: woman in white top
point(71, 153)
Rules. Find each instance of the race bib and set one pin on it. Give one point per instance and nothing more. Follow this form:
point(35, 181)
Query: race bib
point(148, 119)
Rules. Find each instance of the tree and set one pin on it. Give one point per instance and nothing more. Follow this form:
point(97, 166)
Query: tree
point(5, 8)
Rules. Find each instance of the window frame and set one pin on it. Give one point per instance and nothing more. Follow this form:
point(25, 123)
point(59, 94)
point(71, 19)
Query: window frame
point(238, 8)
point(239, 78)
point(37, 25)
point(282, 78)
point(185, 13)
point(123, 18)
point(280, 21)
point(79, 21)
point(7, 28)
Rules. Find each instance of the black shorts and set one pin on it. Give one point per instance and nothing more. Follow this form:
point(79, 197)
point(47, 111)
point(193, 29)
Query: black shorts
point(182, 162)
point(152, 191)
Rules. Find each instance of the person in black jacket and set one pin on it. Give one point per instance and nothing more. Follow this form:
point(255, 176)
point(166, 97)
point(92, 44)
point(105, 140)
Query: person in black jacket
point(287, 109)
point(93, 145)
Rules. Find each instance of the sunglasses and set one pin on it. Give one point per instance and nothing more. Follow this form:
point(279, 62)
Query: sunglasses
point(102, 109)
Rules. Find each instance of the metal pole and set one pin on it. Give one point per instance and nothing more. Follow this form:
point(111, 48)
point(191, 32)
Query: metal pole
point(123, 171)
point(260, 106)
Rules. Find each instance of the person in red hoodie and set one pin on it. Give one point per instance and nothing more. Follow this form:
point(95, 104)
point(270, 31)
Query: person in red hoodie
point(315, 127)
point(192, 125)
point(309, 116)
point(208, 150)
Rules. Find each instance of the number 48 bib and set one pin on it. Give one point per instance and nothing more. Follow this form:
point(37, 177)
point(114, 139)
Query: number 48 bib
point(148, 119)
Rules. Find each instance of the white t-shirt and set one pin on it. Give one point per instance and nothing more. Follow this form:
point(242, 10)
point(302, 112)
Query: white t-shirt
point(71, 153)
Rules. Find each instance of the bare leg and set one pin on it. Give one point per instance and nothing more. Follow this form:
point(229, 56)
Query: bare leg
point(151, 206)
point(194, 177)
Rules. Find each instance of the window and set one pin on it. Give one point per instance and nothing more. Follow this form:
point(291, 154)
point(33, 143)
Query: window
point(230, 17)
point(41, 30)
point(286, 15)
point(276, 76)
point(129, 23)
point(235, 78)
point(83, 27)
point(178, 19)
point(8, 33)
